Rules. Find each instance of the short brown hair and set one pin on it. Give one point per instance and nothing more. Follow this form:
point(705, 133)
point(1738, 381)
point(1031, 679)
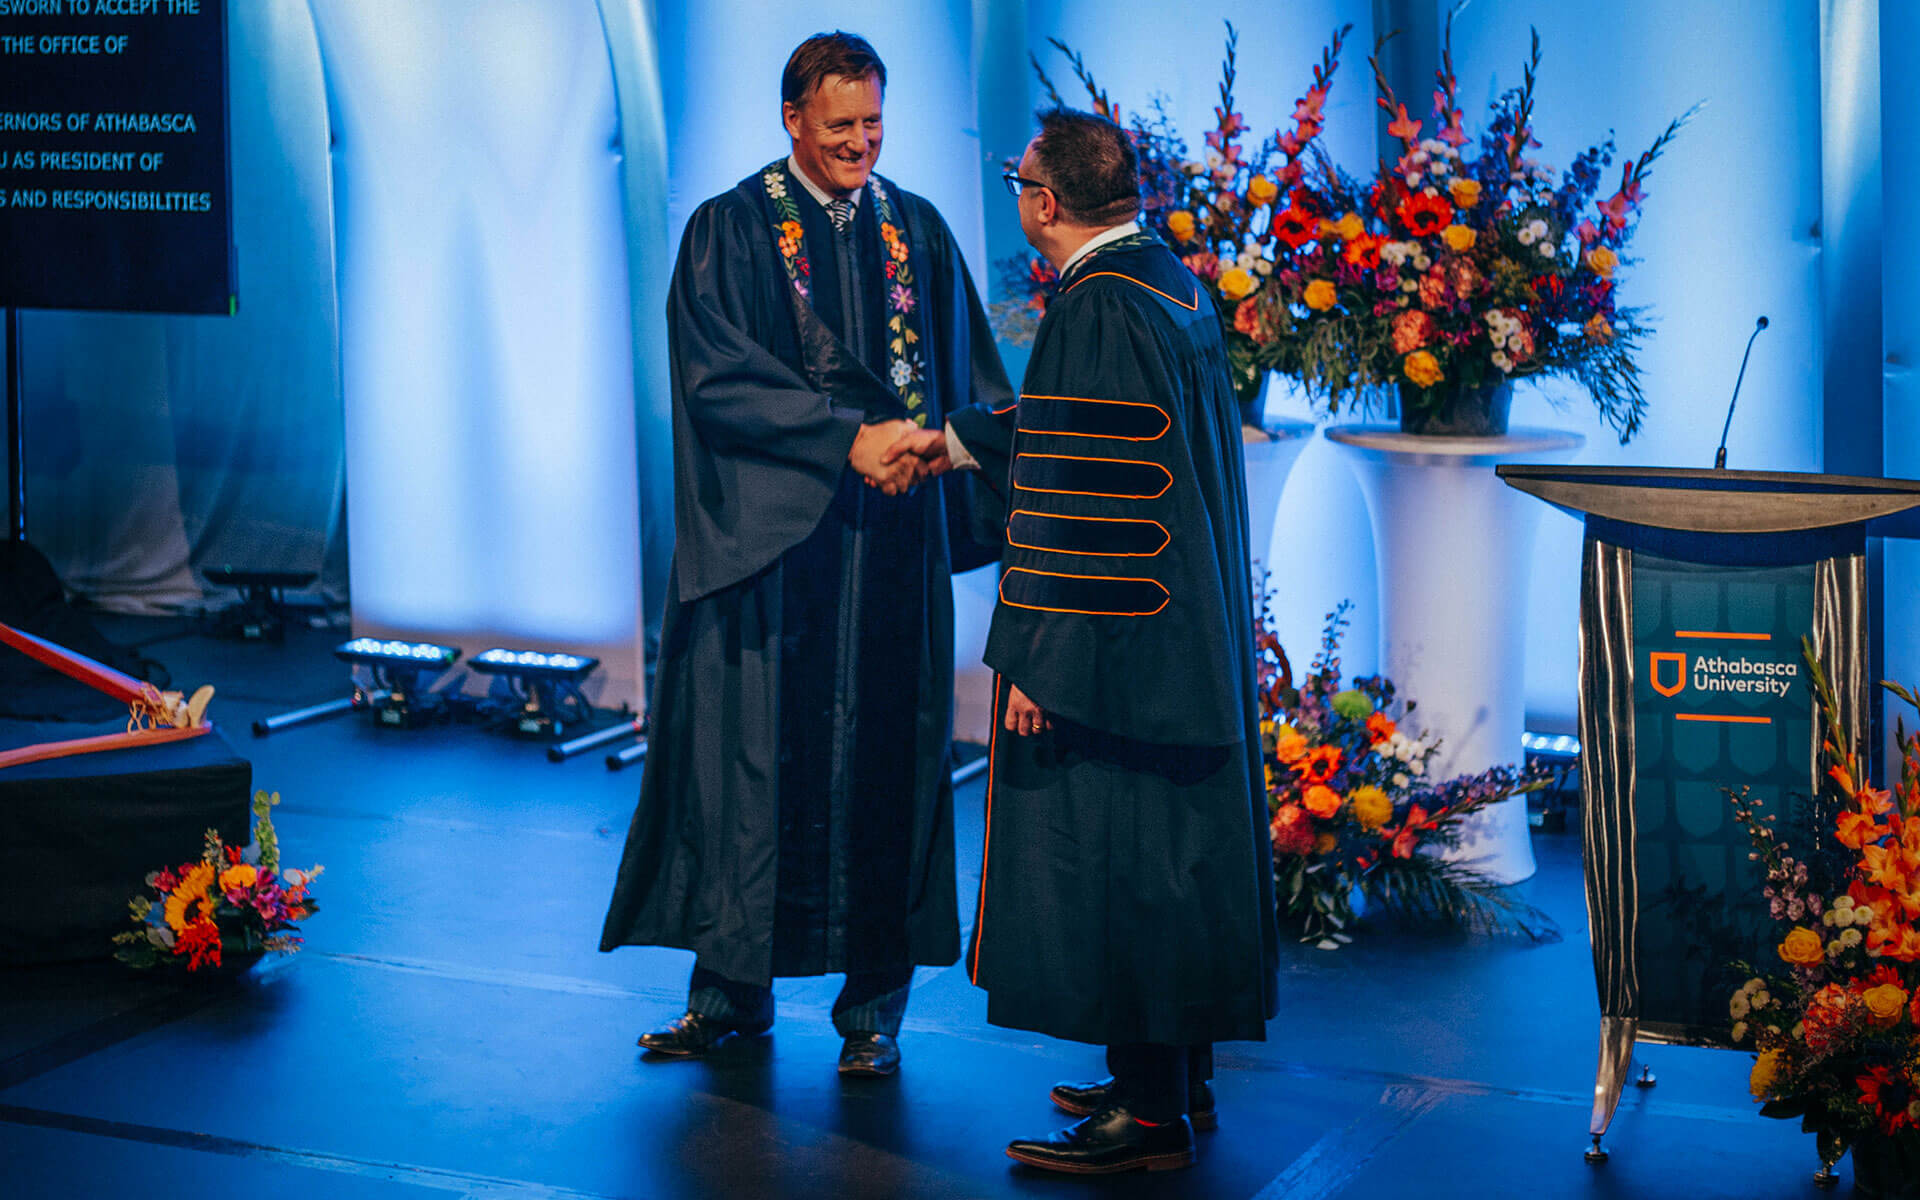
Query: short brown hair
point(1090, 165)
point(827, 54)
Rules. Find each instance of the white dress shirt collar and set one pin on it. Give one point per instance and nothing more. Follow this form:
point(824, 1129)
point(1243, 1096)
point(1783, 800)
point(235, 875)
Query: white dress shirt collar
point(1098, 240)
point(819, 193)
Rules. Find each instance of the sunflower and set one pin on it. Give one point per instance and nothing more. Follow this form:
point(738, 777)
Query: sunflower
point(1423, 214)
point(1319, 764)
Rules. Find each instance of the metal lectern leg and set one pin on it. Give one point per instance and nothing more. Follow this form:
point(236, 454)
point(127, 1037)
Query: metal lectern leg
point(1616, 1059)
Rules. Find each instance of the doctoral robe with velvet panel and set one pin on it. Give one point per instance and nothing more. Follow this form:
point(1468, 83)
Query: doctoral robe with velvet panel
point(1126, 891)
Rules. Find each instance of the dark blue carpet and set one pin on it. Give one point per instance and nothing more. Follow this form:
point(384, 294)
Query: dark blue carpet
point(450, 1029)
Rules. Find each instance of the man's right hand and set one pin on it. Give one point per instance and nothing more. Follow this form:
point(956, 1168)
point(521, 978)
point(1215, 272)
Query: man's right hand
point(929, 446)
point(895, 476)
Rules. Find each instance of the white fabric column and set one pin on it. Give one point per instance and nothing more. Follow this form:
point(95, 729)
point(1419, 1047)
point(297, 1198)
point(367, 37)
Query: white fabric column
point(485, 339)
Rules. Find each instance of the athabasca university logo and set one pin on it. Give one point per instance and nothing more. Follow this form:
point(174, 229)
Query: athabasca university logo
point(1674, 659)
point(1671, 672)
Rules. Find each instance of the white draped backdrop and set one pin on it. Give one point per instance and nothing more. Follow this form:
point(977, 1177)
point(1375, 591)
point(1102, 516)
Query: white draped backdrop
point(454, 223)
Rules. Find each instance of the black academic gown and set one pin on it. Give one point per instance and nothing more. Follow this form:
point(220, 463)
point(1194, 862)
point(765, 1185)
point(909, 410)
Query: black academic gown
point(796, 812)
point(1126, 891)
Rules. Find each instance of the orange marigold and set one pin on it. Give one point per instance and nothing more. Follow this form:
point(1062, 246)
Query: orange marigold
point(1290, 747)
point(1321, 800)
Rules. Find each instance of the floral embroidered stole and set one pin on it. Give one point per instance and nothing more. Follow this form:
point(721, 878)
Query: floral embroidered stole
point(906, 361)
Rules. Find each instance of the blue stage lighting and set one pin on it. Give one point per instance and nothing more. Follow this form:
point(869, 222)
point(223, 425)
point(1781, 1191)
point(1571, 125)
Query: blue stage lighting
point(530, 663)
point(402, 673)
point(382, 652)
point(1550, 745)
point(545, 684)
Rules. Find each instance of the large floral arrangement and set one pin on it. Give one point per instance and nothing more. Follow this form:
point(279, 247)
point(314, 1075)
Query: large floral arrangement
point(1836, 1027)
point(1456, 265)
point(1357, 822)
point(229, 901)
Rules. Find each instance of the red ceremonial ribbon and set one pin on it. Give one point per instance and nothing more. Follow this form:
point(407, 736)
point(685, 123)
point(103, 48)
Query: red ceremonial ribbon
point(142, 701)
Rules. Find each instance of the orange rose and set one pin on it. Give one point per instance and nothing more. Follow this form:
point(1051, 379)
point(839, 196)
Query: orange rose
point(1884, 1004)
point(1325, 843)
point(1465, 192)
point(1802, 947)
point(1458, 238)
point(1289, 747)
point(1601, 261)
point(1423, 368)
point(1180, 225)
point(1321, 800)
point(1237, 283)
point(1320, 295)
point(1261, 191)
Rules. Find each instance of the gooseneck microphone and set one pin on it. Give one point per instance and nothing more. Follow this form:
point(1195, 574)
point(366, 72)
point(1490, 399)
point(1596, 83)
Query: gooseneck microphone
point(1720, 455)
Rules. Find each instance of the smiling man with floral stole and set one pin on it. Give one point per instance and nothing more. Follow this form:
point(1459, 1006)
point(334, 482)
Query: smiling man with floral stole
point(1126, 890)
point(796, 814)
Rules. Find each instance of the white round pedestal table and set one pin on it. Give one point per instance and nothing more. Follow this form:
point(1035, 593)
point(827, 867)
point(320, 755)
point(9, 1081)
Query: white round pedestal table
point(1453, 548)
point(1270, 455)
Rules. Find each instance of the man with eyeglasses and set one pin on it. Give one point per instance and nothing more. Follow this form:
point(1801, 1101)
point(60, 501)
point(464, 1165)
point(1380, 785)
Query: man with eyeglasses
point(1126, 888)
point(796, 815)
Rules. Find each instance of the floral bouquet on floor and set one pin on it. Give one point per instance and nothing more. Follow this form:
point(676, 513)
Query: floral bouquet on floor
point(1215, 210)
point(1357, 822)
point(230, 904)
point(1836, 1025)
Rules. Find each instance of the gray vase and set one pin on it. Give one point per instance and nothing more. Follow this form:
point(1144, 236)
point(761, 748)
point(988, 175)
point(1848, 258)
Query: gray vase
point(1456, 411)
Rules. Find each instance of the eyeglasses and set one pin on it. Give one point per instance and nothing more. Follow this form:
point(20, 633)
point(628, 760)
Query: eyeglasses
point(1016, 181)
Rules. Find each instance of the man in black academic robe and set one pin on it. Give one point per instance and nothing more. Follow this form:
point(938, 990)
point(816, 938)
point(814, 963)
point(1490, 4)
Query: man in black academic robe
point(796, 811)
point(1126, 890)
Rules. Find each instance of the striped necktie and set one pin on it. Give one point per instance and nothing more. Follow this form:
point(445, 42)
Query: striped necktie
point(841, 213)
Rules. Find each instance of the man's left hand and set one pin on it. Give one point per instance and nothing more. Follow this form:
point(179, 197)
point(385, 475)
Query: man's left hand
point(1024, 717)
point(929, 446)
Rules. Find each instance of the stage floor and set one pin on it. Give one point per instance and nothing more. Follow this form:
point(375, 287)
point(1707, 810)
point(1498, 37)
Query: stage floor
point(451, 1030)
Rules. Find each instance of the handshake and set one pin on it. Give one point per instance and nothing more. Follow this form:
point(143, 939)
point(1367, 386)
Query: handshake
point(898, 456)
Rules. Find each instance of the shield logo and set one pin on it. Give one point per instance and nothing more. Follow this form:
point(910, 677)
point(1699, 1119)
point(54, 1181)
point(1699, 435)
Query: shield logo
point(1679, 661)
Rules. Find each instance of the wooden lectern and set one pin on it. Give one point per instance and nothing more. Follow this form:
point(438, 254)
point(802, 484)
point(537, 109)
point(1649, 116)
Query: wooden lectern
point(1696, 589)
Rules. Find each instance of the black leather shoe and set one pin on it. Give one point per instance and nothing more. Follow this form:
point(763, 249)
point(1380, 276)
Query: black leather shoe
point(1109, 1141)
point(692, 1034)
point(869, 1054)
point(1083, 1098)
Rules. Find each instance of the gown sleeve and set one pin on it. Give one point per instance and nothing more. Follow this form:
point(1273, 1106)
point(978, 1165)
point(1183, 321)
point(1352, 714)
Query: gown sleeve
point(759, 450)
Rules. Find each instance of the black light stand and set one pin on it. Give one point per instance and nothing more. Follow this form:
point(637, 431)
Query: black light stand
point(16, 436)
point(401, 696)
point(261, 614)
point(546, 685)
point(627, 757)
point(332, 708)
point(598, 737)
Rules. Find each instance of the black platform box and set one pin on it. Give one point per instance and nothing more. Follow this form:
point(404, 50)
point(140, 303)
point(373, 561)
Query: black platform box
point(79, 835)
